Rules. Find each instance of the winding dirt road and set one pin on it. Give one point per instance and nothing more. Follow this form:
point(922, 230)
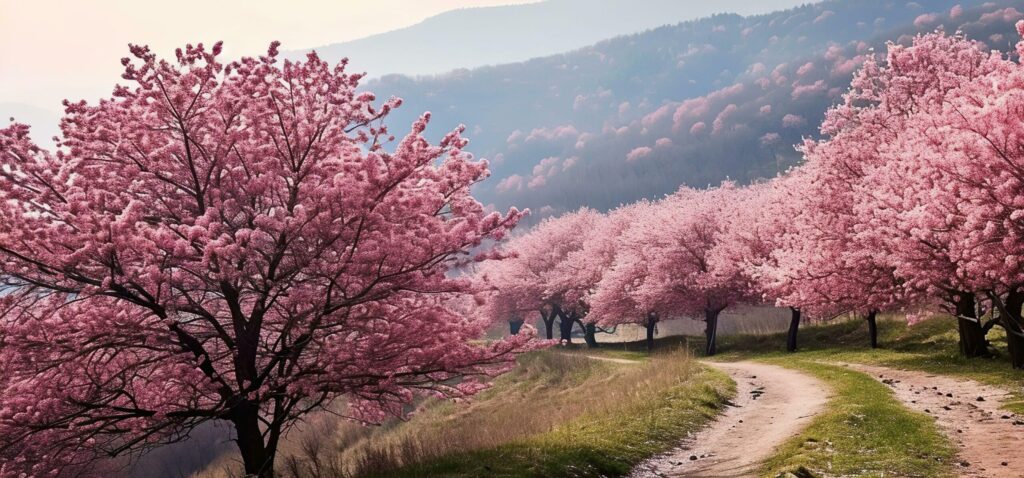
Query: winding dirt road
point(990, 440)
point(772, 404)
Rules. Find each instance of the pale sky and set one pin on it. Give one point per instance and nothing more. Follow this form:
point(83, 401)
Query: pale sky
point(56, 49)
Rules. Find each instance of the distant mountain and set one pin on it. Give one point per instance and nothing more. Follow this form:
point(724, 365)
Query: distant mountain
point(695, 103)
point(474, 37)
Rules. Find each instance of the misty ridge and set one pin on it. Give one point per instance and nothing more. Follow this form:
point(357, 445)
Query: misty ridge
point(690, 104)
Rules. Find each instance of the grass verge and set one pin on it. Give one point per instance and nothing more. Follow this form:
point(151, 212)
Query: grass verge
point(864, 431)
point(602, 424)
point(930, 346)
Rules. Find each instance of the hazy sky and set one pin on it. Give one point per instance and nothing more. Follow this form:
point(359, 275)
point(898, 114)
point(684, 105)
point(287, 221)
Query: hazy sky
point(55, 49)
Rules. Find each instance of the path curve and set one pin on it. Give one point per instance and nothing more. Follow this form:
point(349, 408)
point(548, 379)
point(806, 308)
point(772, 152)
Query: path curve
point(990, 440)
point(772, 405)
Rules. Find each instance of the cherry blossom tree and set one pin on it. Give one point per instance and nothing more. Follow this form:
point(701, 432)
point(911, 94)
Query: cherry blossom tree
point(831, 261)
point(695, 270)
point(241, 242)
point(673, 262)
point(981, 153)
point(527, 281)
point(947, 198)
point(611, 267)
point(761, 220)
point(621, 267)
point(578, 276)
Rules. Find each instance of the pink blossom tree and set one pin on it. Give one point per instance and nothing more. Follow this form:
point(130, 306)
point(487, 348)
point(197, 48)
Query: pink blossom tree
point(528, 281)
point(761, 220)
point(624, 269)
point(579, 276)
point(673, 262)
point(695, 271)
point(234, 242)
point(946, 200)
point(831, 261)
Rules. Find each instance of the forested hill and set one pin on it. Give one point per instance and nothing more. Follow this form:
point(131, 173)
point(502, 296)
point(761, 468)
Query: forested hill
point(695, 103)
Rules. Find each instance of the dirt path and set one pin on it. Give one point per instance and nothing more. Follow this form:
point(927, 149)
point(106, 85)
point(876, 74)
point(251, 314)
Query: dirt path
point(772, 404)
point(991, 440)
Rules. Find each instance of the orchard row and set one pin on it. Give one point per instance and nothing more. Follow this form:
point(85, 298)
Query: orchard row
point(913, 201)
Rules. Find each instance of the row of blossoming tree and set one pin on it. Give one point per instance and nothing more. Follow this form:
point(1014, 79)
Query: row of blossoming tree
point(913, 201)
point(240, 242)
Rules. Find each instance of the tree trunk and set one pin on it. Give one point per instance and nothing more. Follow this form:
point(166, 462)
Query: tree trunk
point(972, 335)
point(1015, 328)
point(564, 326)
point(514, 326)
point(711, 332)
point(589, 334)
point(794, 326)
point(873, 328)
point(257, 460)
point(652, 321)
point(549, 323)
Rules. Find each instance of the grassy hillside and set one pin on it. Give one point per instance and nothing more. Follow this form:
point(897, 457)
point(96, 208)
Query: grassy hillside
point(558, 412)
point(864, 431)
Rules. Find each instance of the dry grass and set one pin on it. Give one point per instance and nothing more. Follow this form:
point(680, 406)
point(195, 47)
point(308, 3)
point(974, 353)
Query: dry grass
point(546, 389)
point(601, 421)
point(542, 414)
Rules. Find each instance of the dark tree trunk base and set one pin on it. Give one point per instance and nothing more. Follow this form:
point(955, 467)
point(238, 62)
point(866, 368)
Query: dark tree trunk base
point(257, 460)
point(711, 332)
point(873, 328)
point(549, 326)
point(972, 338)
point(972, 335)
point(1015, 328)
point(652, 322)
point(1015, 345)
point(794, 327)
point(565, 324)
point(590, 335)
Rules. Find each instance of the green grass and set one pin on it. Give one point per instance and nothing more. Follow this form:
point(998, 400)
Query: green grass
point(646, 408)
point(864, 431)
point(930, 346)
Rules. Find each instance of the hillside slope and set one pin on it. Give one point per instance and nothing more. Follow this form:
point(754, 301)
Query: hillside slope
point(695, 103)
